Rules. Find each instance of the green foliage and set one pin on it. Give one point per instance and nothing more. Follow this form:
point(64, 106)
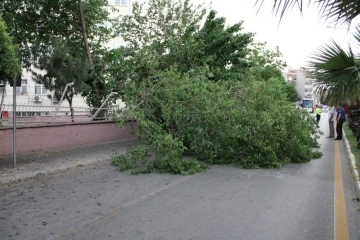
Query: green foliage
point(37, 25)
point(9, 63)
point(337, 74)
point(55, 20)
point(250, 124)
point(317, 154)
point(292, 93)
point(169, 33)
point(138, 160)
point(203, 92)
point(354, 145)
point(316, 144)
point(266, 64)
point(61, 69)
point(260, 56)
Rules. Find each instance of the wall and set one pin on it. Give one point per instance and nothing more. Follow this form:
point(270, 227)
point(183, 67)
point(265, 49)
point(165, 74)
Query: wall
point(300, 83)
point(37, 138)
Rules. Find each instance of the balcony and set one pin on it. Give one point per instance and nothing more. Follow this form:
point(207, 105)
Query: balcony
point(309, 81)
point(308, 95)
point(309, 89)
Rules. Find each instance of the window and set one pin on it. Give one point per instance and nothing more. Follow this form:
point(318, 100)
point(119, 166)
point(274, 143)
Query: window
point(31, 114)
point(2, 87)
point(40, 89)
point(121, 2)
point(25, 114)
point(22, 90)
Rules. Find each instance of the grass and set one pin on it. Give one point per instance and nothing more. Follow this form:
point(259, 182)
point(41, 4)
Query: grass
point(353, 145)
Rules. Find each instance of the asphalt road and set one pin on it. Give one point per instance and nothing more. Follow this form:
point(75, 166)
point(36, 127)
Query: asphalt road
point(298, 201)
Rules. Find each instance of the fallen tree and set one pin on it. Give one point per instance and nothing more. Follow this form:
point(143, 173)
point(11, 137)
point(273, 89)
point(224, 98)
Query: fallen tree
point(202, 91)
point(250, 123)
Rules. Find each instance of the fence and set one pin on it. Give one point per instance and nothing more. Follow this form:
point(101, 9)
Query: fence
point(48, 114)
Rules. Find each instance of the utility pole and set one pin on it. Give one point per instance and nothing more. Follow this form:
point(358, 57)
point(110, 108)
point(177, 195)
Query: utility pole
point(14, 121)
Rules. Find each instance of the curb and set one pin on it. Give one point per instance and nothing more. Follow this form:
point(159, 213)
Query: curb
point(27, 175)
point(353, 167)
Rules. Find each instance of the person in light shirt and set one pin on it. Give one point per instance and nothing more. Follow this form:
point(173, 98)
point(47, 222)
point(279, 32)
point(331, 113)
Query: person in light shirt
point(331, 117)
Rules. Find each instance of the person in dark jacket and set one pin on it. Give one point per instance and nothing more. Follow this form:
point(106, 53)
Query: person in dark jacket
point(340, 118)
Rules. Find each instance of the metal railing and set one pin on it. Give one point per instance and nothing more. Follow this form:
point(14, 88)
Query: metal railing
point(48, 114)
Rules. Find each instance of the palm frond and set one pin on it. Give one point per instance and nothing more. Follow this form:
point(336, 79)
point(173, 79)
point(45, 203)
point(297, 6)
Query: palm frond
point(337, 73)
point(281, 6)
point(339, 11)
point(357, 34)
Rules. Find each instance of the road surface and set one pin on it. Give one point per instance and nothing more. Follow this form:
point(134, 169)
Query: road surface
point(308, 201)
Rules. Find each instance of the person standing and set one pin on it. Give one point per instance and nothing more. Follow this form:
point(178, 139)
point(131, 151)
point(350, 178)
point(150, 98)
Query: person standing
point(318, 115)
point(340, 118)
point(331, 117)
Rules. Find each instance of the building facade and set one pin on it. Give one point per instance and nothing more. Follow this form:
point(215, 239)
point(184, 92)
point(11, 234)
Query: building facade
point(305, 86)
point(122, 8)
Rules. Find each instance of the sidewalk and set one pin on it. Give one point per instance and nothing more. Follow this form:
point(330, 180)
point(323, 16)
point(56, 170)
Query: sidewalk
point(45, 162)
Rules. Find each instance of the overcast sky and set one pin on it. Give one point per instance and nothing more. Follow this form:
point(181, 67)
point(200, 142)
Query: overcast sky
point(298, 36)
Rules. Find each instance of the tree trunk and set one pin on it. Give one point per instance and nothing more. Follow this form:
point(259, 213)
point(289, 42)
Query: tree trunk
point(83, 32)
point(72, 112)
point(2, 100)
point(69, 98)
point(94, 86)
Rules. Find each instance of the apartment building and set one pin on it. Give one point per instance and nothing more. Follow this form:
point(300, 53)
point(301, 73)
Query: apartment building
point(39, 100)
point(305, 85)
point(122, 7)
point(291, 76)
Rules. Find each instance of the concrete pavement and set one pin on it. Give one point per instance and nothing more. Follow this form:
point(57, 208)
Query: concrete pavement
point(40, 163)
point(96, 201)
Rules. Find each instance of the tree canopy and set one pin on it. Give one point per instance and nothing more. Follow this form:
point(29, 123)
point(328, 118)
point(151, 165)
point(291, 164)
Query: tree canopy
point(9, 61)
point(38, 24)
point(61, 69)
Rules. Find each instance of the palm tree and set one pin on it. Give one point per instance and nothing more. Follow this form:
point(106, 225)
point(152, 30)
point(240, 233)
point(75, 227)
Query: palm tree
point(337, 73)
point(336, 70)
point(339, 11)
